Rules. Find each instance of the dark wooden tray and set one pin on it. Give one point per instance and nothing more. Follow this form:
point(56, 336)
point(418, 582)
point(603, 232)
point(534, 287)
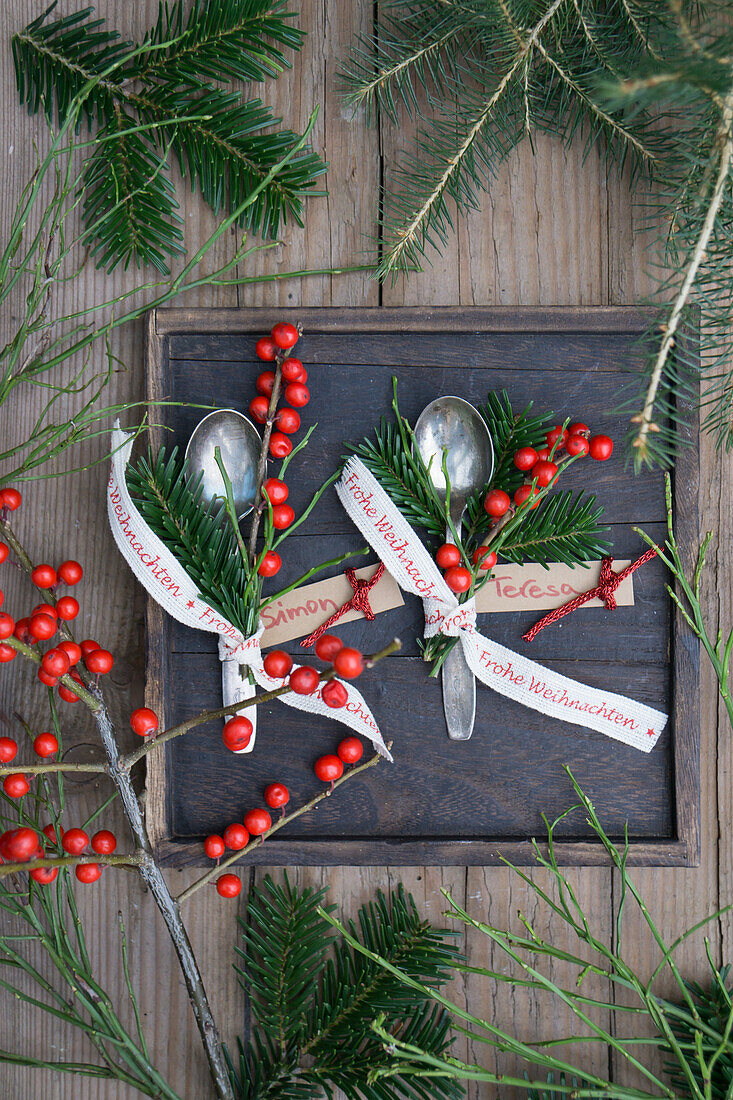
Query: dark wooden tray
point(441, 802)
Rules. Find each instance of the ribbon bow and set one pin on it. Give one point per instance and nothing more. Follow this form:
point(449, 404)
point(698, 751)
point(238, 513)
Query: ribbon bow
point(605, 590)
point(358, 602)
point(511, 674)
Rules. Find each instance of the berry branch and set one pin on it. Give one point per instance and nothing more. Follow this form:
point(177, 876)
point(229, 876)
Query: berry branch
point(286, 819)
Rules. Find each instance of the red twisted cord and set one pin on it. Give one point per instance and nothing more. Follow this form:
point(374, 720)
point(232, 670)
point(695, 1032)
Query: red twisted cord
point(358, 602)
point(605, 590)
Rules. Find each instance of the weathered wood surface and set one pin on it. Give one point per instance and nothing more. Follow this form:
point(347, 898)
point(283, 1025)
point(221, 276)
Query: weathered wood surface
point(494, 792)
point(553, 231)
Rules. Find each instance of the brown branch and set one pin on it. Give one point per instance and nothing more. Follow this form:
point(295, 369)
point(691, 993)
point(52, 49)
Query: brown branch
point(146, 864)
point(48, 769)
point(214, 873)
point(132, 859)
point(182, 728)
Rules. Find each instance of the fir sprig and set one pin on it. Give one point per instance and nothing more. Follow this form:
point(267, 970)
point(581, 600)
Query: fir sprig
point(566, 528)
point(168, 91)
point(314, 1013)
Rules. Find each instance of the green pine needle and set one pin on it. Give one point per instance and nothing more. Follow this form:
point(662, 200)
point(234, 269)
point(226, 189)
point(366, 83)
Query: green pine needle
point(171, 87)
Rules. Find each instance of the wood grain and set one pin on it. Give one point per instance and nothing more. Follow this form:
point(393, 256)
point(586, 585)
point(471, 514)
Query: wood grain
point(551, 231)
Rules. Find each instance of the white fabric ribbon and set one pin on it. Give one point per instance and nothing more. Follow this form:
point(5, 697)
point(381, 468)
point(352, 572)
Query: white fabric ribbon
point(168, 583)
point(509, 673)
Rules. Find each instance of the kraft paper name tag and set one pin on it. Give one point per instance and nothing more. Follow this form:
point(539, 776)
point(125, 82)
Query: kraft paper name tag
point(298, 613)
point(529, 587)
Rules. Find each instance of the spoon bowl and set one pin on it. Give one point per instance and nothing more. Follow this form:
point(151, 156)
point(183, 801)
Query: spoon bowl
point(451, 432)
point(239, 444)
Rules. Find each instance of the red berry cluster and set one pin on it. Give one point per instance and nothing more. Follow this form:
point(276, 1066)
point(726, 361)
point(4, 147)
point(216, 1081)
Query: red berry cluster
point(330, 767)
point(237, 836)
point(347, 662)
point(542, 466)
point(274, 348)
point(23, 844)
point(43, 622)
point(458, 577)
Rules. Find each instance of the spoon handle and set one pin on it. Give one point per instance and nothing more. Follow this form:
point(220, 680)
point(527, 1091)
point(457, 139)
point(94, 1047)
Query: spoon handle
point(459, 686)
point(237, 687)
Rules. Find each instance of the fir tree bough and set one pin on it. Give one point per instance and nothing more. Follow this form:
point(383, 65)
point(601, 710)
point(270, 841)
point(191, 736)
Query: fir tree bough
point(168, 98)
point(647, 82)
point(313, 998)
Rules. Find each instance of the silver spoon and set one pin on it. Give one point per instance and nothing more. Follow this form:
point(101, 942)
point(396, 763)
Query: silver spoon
point(239, 444)
point(453, 426)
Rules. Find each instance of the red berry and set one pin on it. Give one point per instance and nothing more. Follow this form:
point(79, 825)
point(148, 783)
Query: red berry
point(47, 678)
point(304, 680)
point(328, 646)
point(21, 631)
point(144, 721)
point(578, 428)
point(235, 836)
point(42, 626)
point(257, 821)
point(270, 564)
point(72, 651)
point(328, 768)
point(448, 554)
point(55, 662)
point(88, 872)
point(292, 370)
point(275, 490)
point(228, 886)
point(458, 578)
point(74, 841)
point(53, 833)
point(600, 447)
point(7, 625)
point(4, 551)
point(99, 661)
point(44, 576)
point(543, 473)
point(525, 458)
point(66, 694)
point(282, 516)
point(45, 609)
point(265, 383)
point(19, 844)
point(334, 694)
point(348, 663)
point(285, 335)
point(297, 394)
point(44, 875)
point(577, 445)
point(8, 750)
point(45, 745)
point(259, 408)
point(557, 435)
point(70, 572)
point(104, 842)
point(497, 503)
point(350, 750)
point(266, 349)
point(484, 557)
point(544, 454)
point(11, 499)
point(278, 664)
point(88, 646)
point(277, 795)
point(7, 653)
point(15, 785)
point(288, 420)
point(214, 846)
point(237, 733)
point(67, 608)
point(523, 493)
point(280, 445)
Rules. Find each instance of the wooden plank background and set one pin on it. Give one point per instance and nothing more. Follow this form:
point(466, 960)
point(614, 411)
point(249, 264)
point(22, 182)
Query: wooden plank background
point(552, 231)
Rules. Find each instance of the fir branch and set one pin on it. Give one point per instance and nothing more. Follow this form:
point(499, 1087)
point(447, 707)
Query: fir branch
point(565, 529)
point(228, 147)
